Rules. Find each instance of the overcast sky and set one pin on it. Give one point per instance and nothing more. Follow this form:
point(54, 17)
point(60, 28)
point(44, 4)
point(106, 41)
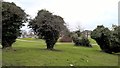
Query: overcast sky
point(85, 13)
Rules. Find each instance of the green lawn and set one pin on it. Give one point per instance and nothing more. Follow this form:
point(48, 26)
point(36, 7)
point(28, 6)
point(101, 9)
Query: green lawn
point(92, 41)
point(35, 54)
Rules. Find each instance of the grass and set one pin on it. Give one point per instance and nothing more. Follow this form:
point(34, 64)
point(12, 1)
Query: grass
point(29, 39)
point(35, 54)
point(92, 41)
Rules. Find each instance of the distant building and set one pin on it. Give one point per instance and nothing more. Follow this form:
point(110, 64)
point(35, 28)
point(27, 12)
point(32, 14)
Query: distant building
point(86, 33)
point(65, 38)
point(26, 34)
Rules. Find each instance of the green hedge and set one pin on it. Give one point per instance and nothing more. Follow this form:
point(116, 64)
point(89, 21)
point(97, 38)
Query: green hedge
point(108, 40)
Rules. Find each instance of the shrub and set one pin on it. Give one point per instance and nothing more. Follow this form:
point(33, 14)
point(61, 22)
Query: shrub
point(115, 40)
point(81, 41)
point(86, 42)
point(106, 39)
point(13, 18)
point(47, 26)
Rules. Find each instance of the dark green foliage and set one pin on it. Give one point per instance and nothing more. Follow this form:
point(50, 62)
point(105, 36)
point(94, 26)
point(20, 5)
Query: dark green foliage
point(13, 18)
point(106, 39)
point(78, 33)
point(81, 41)
point(115, 40)
point(102, 35)
point(48, 27)
point(86, 42)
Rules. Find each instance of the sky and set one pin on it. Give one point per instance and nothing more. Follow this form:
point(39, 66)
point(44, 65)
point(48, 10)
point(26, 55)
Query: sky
point(84, 13)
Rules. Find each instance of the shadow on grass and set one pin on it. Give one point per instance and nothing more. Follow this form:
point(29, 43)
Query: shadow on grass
point(116, 54)
point(15, 49)
point(56, 50)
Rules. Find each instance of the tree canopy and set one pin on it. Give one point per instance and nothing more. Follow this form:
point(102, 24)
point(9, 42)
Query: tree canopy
point(107, 40)
point(48, 26)
point(13, 18)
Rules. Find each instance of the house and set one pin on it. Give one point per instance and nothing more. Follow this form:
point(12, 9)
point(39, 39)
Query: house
point(86, 33)
point(65, 38)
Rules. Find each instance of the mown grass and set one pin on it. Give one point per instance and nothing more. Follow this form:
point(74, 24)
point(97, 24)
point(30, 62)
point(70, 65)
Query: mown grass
point(92, 41)
point(35, 54)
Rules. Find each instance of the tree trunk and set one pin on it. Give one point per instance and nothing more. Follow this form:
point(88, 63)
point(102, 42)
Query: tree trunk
point(48, 44)
point(6, 46)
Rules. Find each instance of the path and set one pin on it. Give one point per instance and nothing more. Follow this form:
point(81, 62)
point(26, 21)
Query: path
point(37, 41)
point(25, 40)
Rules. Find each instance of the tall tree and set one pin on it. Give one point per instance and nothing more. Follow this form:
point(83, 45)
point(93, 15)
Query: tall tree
point(48, 26)
point(102, 35)
point(109, 41)
point(13, 18)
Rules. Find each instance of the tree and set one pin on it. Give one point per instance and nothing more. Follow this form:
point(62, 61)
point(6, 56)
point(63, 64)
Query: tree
point(101, 35)
point(115, 39)
point(47, 26)
point(78, 33)
point(80, 40)
point(13, 18)
point(79, 29)
point(106, 39)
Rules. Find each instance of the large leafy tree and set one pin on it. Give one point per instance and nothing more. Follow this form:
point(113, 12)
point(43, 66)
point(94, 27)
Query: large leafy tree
point(13, 18)
point(48, 27)
point(115, 39)
point(102, 35)
point(106, 39)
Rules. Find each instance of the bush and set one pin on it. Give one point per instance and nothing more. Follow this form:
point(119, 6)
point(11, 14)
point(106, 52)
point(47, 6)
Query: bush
point(47, 26)
point(81, 41)
point(13, 18)
point(115, 40)
point(86, 42)
point(106, 39)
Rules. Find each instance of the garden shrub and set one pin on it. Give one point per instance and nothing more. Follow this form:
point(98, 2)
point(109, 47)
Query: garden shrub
point(81, 41)
point(106, 39)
